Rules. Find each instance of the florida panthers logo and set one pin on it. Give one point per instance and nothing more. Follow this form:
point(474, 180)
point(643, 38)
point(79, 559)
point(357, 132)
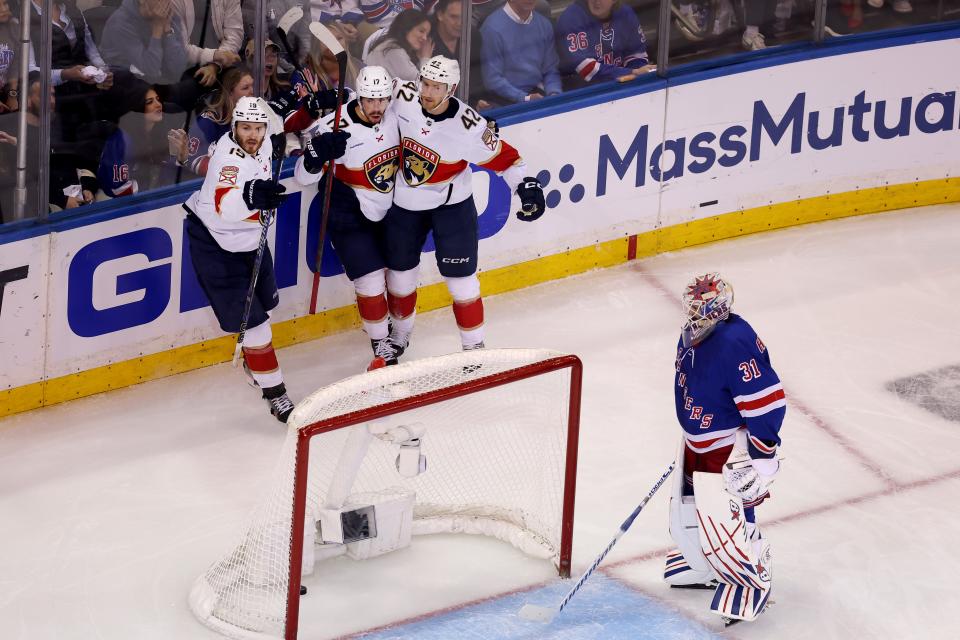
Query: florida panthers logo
point(419, 162)
point(381, 169)
point(734, 510)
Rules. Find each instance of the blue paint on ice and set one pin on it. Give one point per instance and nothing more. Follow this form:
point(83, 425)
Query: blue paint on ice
point(603, 608)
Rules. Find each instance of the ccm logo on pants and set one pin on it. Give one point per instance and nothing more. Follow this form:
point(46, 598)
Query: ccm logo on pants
point(455, 260)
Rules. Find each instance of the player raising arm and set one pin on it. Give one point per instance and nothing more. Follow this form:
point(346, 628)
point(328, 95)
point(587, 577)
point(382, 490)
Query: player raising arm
point(363, 184)
point(439, 137)
point(730, 405)
point(223, 224)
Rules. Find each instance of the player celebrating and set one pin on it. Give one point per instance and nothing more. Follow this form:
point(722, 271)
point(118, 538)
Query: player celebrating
point(730, 404)
point(362, 194)
point(223, 223)
point(440, 136)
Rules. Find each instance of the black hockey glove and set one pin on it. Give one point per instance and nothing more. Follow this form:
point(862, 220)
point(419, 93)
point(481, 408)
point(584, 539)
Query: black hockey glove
point(323, 148)
point(321, 101)
point(531, 199)
point(279, 143)
point(263, 194)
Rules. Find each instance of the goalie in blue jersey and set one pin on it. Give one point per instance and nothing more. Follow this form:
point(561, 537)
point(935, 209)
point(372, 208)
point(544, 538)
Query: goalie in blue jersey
point(730, 404)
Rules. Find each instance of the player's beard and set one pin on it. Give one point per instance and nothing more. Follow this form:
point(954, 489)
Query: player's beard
point(251, 144)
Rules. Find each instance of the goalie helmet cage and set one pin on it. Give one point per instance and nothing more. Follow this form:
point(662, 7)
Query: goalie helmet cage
point(501, 430)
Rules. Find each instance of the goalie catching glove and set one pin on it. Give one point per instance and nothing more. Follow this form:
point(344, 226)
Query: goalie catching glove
point(750, 480)
point(320, 149)
point(263, 194)
point(531, 200)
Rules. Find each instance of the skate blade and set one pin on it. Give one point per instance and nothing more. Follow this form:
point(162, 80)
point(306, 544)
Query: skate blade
point(705, 587)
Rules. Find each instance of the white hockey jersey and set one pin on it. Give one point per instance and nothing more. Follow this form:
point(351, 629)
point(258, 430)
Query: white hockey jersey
point(219, 202)
point(435, 153)
point(369, 166)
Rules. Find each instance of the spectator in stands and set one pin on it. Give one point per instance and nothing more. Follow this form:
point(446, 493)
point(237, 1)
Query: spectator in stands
point(191, 150)
point(322, 68)
point(72, 181)
point(143, 36)
point(298, 35)
point(380, 14)
point(9, 60)
point(135, 157)
point(519, 58)
point(404, 47)
point(445, 25)
point(212, 35)
point(344, 15)
point(900, 6)
point(87, 90)
point(274, 85)
point(599, 41)
point(757, 13)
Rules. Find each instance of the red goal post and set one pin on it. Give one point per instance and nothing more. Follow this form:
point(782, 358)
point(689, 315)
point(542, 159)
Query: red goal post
point(500, 436)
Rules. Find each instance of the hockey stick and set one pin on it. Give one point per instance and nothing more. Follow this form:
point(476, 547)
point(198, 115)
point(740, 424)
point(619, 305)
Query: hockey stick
point(330, 42)
point(287, 21)
point(266, 218)
point(547, 614)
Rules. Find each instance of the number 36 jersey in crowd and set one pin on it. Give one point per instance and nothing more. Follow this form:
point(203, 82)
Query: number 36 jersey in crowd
point(727, 382)
point(436, 151)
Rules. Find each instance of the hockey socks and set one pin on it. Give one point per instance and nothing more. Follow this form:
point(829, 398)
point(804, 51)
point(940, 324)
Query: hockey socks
point(469, 317)
point(403, 313)
point(372, 304)
point(262, 360)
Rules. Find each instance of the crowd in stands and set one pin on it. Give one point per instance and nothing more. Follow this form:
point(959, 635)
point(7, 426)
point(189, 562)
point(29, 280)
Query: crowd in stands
point(141, 89)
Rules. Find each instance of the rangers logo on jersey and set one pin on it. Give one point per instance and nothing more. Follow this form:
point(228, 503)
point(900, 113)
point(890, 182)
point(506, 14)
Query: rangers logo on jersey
point(419, 162)
point(381, 169)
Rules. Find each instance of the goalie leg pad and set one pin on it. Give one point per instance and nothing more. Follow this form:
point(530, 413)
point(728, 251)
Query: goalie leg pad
point(744, 569)
point(685, 565)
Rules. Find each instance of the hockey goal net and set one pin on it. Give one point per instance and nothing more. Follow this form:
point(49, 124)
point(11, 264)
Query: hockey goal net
point(496, 434)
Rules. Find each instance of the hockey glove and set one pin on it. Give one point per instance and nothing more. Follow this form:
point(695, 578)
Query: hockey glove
point(750, 480)
point(263, 194)
point(321, 101)
point(531, 199)
point(322, 148)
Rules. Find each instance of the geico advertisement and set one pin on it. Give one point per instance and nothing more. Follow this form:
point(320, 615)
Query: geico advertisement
point(23, 310)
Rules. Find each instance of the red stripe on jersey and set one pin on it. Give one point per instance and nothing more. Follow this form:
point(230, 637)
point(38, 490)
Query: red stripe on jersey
point(372, 308)
point(351, 177)
point(402, 306)
point(503, 160)
point(219, 194)
point(297, 121)
point(761, 402)
point(261, 359)
point(587, 70)
point(469, 315)
point(761, 446)
point(447, 171)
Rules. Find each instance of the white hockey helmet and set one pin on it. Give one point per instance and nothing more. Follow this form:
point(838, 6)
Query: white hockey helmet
point(707, 300)
point(374, 82)
point(250, 109)
point(441, 69)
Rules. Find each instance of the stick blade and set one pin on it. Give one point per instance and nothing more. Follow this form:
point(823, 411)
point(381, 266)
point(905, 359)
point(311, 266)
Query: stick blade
point(537, 614)
point(328, 40)
point(289, 19)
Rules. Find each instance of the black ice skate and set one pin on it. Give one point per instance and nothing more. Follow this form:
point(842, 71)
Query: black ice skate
point(280, 405)
point(471, 368)
point(385, 353)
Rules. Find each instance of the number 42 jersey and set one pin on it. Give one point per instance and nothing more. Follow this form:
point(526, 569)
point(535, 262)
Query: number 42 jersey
point(725, 383)
point(437, 149)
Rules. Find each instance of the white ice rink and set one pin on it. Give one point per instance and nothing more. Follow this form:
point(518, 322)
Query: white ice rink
point(110, 506)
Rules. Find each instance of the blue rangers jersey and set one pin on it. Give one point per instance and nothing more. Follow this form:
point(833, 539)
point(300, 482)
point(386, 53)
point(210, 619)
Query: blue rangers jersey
point(598, 50)
point(725, 383)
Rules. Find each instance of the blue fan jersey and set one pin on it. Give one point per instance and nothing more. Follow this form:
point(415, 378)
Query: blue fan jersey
point(725, 383)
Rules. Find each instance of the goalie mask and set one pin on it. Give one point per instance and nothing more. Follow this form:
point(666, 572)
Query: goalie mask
point(707, 300)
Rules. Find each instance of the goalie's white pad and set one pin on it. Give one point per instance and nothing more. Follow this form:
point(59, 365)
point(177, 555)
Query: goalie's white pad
point(685, 565)
point(744, 569)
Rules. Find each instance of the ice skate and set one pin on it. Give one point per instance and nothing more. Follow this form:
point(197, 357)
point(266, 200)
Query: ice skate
point(280, 404)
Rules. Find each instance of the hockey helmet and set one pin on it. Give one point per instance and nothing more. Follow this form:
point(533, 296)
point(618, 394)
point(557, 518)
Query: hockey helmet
point(441, 69)
point(707, 300)
point(374, 82)
point(250, 109)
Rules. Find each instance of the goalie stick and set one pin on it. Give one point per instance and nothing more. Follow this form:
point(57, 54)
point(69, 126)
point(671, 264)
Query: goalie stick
point(330, 41)
point(547, 614)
